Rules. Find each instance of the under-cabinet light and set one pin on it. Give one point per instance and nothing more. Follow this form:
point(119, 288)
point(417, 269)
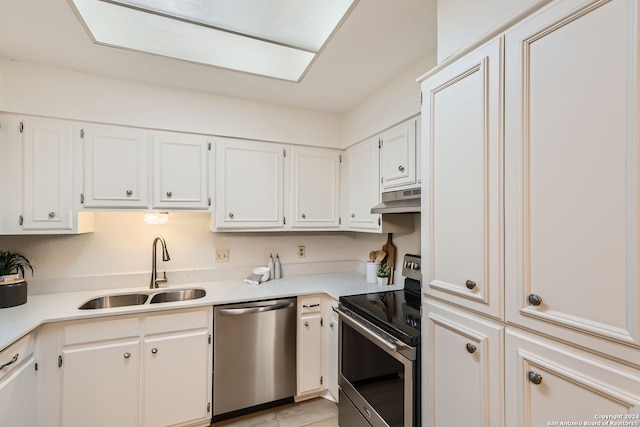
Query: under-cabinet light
point(156, 217)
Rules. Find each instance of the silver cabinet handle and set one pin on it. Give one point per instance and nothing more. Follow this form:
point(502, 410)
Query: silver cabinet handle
point(127, 355)
point(470, 284)
point(366, 411)
point(129, 192)
point(306, 323)
point(52, 214)
point(401, 168)
point(303, 216)
point(169, 193)
point(13, 360)
point(471, 348)
point(310, 306)
point(353, 215)
point(535, 300)
point(231, 215)
point(154, 350)
point(535, 377)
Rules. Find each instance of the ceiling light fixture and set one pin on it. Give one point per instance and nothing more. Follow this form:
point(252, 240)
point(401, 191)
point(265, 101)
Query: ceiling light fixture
point(273, 38)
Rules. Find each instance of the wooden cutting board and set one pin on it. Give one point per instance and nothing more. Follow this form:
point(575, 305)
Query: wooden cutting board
point(390, 249)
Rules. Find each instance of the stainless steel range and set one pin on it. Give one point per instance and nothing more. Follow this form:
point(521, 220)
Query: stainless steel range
point(380, 355)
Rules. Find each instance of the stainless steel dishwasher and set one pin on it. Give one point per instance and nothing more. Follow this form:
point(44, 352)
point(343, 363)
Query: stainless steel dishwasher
point(254, 355)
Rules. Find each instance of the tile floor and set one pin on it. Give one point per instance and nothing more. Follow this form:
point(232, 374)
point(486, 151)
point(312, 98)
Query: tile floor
point(317, 412)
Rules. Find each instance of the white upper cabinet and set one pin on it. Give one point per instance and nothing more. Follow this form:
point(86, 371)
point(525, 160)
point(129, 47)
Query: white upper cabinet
point(249, 185)
point(398, 156)
point(361, 186)
point(180, 177)
point(47, 174)
point(268, 186)
point(315, 187)
point(462, 202)
point(38, 156)
point(572, 175)
point(116, 161)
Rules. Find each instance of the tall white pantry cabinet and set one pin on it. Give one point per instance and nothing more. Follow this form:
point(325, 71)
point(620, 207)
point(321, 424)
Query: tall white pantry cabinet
point(531, 214)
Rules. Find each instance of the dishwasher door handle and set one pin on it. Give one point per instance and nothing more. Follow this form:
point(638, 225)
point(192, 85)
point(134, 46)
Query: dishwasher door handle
point(249, 310)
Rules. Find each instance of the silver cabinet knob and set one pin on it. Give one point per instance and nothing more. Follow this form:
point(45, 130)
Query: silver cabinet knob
point(52, 214)
point(401, 168)
point(470, 284)
point(169, 193)
point(127, 355)
point(534, 377)
point(306, 323)
point(154, 350)
point(230, 214)
point(535, 300)
point(353, 215)
point(303, 216)
point(471, 348)
point(129, 192)
point(331, 325)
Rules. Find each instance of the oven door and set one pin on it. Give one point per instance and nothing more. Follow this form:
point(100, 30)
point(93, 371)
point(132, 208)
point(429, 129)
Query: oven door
point(377, 372)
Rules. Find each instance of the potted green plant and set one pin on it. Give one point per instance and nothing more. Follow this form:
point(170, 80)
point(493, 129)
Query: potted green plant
point(383, 274)
point(13, 288)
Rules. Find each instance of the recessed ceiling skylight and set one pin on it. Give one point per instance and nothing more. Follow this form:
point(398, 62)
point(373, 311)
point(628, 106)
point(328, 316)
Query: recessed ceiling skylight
point(274, 38)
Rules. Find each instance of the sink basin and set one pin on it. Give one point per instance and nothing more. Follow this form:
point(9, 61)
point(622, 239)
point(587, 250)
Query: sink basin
point(109, 301)
point(178, 295)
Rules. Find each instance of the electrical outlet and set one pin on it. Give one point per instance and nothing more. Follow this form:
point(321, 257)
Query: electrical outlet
point(301, 251)
point(222, 255)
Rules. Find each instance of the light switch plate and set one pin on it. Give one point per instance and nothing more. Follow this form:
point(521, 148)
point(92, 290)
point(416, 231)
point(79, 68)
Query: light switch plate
point(222, 255)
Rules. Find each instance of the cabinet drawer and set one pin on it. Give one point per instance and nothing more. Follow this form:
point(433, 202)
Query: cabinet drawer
point(14, 355)
point(179, 321)
point(309, 304)
point(101, 330)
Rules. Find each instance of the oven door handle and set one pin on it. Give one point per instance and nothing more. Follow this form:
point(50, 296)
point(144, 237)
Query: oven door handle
point(363, 329)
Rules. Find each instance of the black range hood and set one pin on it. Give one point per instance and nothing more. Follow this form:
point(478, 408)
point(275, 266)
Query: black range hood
point(399, 201)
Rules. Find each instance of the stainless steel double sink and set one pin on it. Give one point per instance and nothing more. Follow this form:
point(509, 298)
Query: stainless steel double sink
point(141, 298)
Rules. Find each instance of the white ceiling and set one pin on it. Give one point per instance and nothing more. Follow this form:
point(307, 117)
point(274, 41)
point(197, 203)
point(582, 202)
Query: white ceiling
point(378, 40)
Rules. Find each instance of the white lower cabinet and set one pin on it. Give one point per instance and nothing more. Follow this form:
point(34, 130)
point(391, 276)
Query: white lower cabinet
point(462, 368)
point(317, 347)
point(549, 383)
point(309, 345)
point(148, 370)
point(331, 343)
point(18, 385)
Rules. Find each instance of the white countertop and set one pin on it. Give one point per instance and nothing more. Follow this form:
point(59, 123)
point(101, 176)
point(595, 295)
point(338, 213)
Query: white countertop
point(15, 322)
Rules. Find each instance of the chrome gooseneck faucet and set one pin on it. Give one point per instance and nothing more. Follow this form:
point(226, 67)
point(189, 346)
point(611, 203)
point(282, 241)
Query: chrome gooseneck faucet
point(165, 257)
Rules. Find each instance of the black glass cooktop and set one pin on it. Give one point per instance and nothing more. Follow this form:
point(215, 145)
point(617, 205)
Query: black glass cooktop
point(395, 312)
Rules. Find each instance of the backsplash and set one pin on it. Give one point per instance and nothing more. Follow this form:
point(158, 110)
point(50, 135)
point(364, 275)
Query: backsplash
point(118, 253)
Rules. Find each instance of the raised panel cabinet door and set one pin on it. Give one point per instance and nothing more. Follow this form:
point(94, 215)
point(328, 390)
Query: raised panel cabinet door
point(309, 353)
point(315, 187)
point(176, 383)
point(249, 184)
point(398, 155)
point(462, 369)
point(100, 385)
point(47, 174)
point(116, 161)
point(180, 172)
point(462, 202)
point(548, 384)
point(362, 176)
point(572, 174)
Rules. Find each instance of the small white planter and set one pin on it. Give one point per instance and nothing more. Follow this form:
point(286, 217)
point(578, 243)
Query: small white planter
point(383, 281)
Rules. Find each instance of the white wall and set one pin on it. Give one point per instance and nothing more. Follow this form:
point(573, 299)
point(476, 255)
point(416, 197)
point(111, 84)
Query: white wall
point(462, 22)
point(118, 253)
point(397, 100)
point(41, 90)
